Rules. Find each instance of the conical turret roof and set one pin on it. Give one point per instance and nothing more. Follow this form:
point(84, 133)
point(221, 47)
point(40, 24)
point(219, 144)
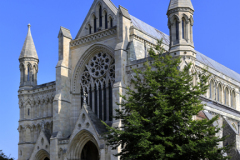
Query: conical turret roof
point(28, 50)
point(180, 3)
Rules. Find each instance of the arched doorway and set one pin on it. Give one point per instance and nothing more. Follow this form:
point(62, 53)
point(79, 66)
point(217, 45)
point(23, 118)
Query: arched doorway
point(89, 152)
point(83, 147)
point(42, 155)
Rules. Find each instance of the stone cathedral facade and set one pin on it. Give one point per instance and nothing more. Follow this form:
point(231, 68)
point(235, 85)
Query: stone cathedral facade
point(60, 120)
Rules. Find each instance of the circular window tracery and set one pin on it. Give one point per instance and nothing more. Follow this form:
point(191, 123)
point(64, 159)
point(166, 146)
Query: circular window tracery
point(99, 64)
point(100, 67)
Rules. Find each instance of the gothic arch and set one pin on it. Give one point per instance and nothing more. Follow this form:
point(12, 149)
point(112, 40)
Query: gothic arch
point(78, 142)
point(80, 67)
point(233, 98)
point(186, 17)
point(42, 154)
point(99, 4)
point(173, 18)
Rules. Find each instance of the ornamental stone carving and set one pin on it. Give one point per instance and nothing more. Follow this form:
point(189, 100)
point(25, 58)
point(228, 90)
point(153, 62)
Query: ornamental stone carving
point(99, 70)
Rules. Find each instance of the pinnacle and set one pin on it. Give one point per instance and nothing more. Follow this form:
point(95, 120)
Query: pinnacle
point(28, 50)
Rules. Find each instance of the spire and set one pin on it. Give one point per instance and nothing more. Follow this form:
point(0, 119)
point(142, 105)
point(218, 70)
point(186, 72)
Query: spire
point(28, 49)
point(180, 4)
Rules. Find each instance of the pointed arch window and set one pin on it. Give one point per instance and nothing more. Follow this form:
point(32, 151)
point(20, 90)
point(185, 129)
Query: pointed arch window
point(111, 22)
point(183, 28)
point(95, 23)
point(106, 21)
point(233, 99)
point(28, 77)
point(28, 111)
point(210, 90)
point(219, 93)
point(22, 78)
point(177, 29)
point(97, 82)
point(225, 96)
point(90, 29)
point(100, 16)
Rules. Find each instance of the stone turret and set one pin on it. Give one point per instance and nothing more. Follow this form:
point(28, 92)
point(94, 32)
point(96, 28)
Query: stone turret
point(28, 62)
point(180, 23)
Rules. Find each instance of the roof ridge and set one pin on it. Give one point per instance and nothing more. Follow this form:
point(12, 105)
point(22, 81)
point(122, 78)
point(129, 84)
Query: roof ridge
point(157, 34)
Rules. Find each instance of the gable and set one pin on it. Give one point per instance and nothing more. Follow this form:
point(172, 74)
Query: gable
point(42, 144)
point(107, 7)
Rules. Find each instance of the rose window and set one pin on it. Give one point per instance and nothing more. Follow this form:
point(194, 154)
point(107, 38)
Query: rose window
point(96, 81)
point(99, 64)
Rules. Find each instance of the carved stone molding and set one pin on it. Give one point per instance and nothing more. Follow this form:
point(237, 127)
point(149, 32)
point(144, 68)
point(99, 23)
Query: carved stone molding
point(94, 36)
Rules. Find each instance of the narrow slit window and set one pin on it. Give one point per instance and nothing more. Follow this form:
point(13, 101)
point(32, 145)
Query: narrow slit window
point(105, 102)
point(28, 78)
point(28, 111)
point(225, 97)
point(95, 24)
point(111, 22)
point(90, 92)
point(110, 102)
point(82, 97)
point(177, 30)
point(100, 16)
point(100, 102)
point(210, 90)
point(90, 29)
point(106, 21)
point(183, 28)
point(95, 99)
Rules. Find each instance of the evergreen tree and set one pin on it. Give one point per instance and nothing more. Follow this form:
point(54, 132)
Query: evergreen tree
point(4, 157)
point(157, 115)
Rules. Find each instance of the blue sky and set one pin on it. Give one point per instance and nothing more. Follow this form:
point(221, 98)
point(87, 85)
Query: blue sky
point(216, 34)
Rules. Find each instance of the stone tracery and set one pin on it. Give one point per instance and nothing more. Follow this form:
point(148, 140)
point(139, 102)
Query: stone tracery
point(97, 79)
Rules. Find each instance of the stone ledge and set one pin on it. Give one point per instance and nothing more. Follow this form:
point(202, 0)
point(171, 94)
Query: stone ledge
point(94, 36)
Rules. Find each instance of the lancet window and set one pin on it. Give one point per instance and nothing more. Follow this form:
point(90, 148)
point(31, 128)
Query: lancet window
point(106, 21)
point(95, 23)
point(111, 22)
point(183, 28)
point(28, 76)
point(97, 80)
point(90, 29)
point(177, 29)
point(100, 16)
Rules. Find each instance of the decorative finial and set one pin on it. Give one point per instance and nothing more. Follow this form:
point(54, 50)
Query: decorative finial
point(29, 25)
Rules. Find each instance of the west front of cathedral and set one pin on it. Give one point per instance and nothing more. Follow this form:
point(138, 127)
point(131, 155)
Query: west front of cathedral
point(61, 120)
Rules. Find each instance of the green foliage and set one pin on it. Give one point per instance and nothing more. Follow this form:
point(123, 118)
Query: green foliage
point(4, 157)
point(157, 115)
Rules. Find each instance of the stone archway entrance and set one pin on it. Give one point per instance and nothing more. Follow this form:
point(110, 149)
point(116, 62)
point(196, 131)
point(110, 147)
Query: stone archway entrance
point(83, 147)
point(42, 155)
point(89, 152)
